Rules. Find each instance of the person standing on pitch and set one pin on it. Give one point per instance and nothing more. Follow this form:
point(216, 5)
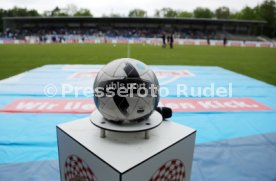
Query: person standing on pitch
point(164, 40)
point(208, 40)
point(224, 41)
point(171, 40)
point(168, 38)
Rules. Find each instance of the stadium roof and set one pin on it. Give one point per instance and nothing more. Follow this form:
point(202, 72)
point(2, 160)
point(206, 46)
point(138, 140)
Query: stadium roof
point(238, 26)
point(133, 19)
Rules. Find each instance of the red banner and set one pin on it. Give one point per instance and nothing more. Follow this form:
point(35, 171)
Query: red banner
point(80, 106)
point(213, 104)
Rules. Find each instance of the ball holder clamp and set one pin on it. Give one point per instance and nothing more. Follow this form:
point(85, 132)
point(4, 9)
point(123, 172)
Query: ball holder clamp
point(152, 122)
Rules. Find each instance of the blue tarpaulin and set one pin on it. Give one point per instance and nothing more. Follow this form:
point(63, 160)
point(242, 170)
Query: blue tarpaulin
point(236, 133)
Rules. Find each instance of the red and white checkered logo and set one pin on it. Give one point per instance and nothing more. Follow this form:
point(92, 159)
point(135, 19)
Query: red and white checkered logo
point(173, 170)
point(75, 169)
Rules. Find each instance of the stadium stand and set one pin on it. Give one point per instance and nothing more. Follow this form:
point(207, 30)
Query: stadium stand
point(187, 28)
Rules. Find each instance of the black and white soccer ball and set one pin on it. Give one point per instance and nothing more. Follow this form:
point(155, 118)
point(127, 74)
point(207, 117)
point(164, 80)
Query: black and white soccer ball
point(126, 90)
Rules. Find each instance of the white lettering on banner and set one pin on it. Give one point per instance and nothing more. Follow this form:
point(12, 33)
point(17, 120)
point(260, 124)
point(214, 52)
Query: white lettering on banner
point(79, 106)
point(35, 105)
point(187, 106)
point(230, 104)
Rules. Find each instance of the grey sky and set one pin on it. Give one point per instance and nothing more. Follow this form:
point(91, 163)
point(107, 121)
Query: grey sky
point(100, 7)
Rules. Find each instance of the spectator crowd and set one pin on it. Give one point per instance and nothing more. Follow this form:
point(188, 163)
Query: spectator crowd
point(65, 33)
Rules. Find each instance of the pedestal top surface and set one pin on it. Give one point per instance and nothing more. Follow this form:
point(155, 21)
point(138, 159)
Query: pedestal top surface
point(125, 150)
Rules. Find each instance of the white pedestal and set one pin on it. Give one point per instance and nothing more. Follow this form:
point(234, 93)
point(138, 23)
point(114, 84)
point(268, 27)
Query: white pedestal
point(166, 155)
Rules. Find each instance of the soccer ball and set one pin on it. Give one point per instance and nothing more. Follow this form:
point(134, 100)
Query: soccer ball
point(126, 90)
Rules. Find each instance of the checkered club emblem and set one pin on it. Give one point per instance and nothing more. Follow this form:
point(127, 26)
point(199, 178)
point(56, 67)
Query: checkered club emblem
point(75, 169)
point(172, 170)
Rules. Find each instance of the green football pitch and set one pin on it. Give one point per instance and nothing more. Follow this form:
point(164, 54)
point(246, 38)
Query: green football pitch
point(259, 63)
